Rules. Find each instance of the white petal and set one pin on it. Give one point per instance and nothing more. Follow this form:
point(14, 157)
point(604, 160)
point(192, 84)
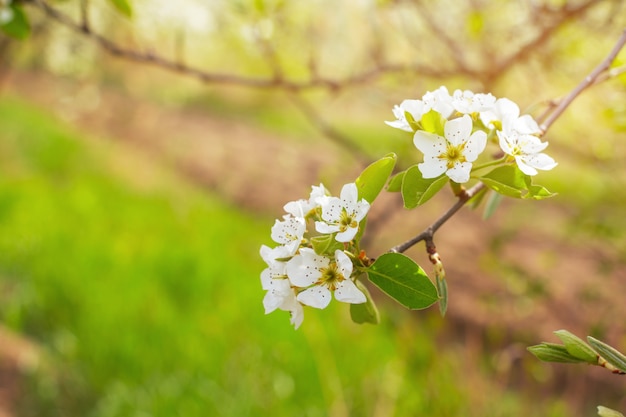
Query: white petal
point(349, 194)
point(318, 297)
point(348, 292)
point(526, 169)
point(344, 263)
point(460, 173)
point(507, 142)
point(458, 130)
point(347, 235)
point(400, 124)
point(278, 294)
point(432, 167)
point(532, 144)
point(326, 228)
point(289, 230)
point(361, 209)
point(475, 145)
point(297, 315)
point(414, 107)
point(429, 143)
point(331, 208)
point(305, 269)
point(526, 125)
point(506, 108)
point(540, 161)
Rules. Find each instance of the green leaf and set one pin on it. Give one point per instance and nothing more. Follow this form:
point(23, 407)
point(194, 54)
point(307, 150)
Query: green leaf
point(552, 352)
point(442, 289)
point(374, 177)
point(416, 190)
point(365, 312)
point(123, 6)
point(433, 122)
point(395, 183)
point(507, 180)
point(325, 244)
point(403, 280)
point(510, 181)
point(577, 347)
point(493, 202)
point(607, 412)
point(18, 27)
point(609, 353)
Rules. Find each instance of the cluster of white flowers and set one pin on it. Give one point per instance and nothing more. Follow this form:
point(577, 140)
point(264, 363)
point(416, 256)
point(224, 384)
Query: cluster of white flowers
point(467, 120)
point(6, 13)
point(296, 275)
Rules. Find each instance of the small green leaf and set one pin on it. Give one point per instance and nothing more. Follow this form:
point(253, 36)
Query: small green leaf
point(416, 190)
point(18, 27)
point(325, 244)
point(395, 183)
point(375, 176)
point(510, 181)
point(493, 202)
point(507, 180)
point(365, 312)
point(552, 352)
point(537, 192)
point(577, 347)
point(607, 412)
point(433, 122)
point(609, 353)
point(123, 6)
point(442, 289)
point(403, 280)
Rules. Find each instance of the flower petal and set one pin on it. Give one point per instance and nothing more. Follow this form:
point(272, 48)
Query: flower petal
point(347, 235)
point(326, 228)
point(348, 292)
point(429, 143)
point(432, 167)
point(458, 130)
point(460, 173)
point(475, 145)
point(318, 297)
point(331, 208)
point(305, 269)
point(297, 315)
point(344, 263)
point(349, 195)
point(540, 161)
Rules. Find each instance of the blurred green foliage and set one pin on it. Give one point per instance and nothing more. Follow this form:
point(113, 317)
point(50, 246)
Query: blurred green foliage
point(146, 301)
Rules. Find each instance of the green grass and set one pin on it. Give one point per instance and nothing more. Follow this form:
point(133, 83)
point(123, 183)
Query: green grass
point(146, 300)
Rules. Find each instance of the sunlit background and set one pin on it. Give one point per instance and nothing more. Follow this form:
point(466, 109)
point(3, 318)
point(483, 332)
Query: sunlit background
point(134, 200)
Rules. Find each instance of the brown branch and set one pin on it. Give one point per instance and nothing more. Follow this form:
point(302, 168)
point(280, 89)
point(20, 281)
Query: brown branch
point(588, 81)
point(208, 77)
point(427, 234)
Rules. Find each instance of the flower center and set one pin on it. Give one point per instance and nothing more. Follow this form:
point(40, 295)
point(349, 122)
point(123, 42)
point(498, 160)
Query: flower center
point(346, 221)
point(331, 277)
point(453, 155)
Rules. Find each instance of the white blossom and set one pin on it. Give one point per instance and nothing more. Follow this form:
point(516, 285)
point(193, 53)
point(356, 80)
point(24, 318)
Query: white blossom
point(526, 149)
point(322, 276)
point(342, 215)
point(452, 154)
point(280, 293)
point(415, 108)
point(466, 102)
point(300, 208)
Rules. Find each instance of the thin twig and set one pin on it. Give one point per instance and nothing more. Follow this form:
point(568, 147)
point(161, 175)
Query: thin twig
point(430, 231)
point(588, 81)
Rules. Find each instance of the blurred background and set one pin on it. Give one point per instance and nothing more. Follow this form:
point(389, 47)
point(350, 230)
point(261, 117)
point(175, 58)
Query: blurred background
point(136, 189)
